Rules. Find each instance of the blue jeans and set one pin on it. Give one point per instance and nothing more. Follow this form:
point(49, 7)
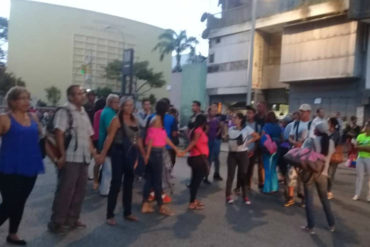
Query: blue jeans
point(321, 186)
point(214, 153)
point(153, 175)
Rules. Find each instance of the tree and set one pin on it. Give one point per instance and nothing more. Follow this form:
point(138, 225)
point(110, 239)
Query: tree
point(145, 79)
point(103, 92)
point(170, 41)
point(8, 80)
point(3, 35)
point(53, 95)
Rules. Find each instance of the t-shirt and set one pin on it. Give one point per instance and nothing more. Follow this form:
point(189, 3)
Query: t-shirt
point(314, 123)
point(245, 134)
point(287, 131)
point(363, 140)
point(302, 131)
point(214, 127)
point(170, 125)
point(106, 118)
point(201, 147)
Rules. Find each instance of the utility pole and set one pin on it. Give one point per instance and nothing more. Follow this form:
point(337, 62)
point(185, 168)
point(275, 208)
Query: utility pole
point(251, 52)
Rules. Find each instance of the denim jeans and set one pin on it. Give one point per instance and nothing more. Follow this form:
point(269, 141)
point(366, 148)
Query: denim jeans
point(214, 153)
point(320, 183)
point(331, 175)
point(106, 177)
point(153, 175)
point(362, 167)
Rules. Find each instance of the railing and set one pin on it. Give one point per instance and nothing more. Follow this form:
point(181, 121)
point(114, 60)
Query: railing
point(265, 8)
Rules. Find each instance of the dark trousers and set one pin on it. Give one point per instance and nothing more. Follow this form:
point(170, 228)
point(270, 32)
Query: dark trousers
point(199, 170)
point(321, 185)
point(234, 160)
point(331, 175)
point(70, 193)
point(282, 164)
point(122, 166)
point(153, 175)
point(14, 190)
point(172, 154)
point(249, 176)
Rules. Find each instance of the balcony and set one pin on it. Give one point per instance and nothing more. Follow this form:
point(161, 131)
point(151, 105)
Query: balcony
point(265, 8)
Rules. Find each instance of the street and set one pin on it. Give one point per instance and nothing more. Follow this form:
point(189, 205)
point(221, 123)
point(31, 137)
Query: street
point(265, 223)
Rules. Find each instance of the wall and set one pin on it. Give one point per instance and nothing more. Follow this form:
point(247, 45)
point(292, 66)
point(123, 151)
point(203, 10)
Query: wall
point(49, 43)
point(175, 89)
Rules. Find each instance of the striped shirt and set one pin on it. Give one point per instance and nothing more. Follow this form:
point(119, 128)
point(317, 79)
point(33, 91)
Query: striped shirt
point(78, 150)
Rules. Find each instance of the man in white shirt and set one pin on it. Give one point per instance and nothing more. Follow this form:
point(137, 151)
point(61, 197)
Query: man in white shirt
point(320, 115)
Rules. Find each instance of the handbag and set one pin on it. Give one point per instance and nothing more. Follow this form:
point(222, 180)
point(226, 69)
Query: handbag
point(269, 144)
point(337, 156)
point(306, 159)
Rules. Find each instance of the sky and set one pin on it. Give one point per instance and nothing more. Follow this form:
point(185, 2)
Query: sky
point(175, 14)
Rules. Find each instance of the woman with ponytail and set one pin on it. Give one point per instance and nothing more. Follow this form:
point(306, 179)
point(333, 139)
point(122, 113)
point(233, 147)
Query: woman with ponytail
point(320, 143)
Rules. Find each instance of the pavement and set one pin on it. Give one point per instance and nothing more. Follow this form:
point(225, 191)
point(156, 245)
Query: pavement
point(265, 223)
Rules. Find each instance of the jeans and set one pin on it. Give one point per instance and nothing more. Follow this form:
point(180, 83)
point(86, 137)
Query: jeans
point(362, 166)
point(331, 175)
point(240, 160)
point(214, 153)
point(70, 193)
point(199, 170)
point(321, 185)
point(122, 166)
point(15, 190)
point(106, 177)
point(153, 175)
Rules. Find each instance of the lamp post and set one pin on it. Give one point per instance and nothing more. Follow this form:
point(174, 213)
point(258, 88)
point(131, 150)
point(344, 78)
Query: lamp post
point(251, 52)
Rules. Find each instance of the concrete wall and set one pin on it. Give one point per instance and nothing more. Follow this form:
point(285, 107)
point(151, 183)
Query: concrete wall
point(49, 43)
point(175, 89)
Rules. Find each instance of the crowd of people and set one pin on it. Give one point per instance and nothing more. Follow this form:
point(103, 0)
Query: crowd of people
point(111, 143)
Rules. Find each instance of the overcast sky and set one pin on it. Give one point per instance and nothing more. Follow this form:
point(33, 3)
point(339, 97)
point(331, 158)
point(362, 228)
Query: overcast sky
point(174, 14)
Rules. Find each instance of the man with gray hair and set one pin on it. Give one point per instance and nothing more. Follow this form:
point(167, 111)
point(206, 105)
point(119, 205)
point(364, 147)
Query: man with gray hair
point(107, 115)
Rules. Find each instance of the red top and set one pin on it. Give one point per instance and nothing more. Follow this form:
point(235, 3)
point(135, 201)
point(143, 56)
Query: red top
point(201, 147)
point(157, 135)
point(96, 124)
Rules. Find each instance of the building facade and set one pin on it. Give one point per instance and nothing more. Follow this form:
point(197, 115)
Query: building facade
point(52, 45)
point(309, 51)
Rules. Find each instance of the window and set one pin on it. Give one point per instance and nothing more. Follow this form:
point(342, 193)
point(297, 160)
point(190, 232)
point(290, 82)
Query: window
point(211, 58)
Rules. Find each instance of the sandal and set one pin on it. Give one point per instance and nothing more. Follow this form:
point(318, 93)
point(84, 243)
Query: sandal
point(111, 222)
point(165, 211)
point(131, 218)
point(199, 203)
point(195, 206)
point(147, 208)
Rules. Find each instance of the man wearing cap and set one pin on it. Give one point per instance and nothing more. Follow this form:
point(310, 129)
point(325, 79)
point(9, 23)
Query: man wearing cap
point(298, 134)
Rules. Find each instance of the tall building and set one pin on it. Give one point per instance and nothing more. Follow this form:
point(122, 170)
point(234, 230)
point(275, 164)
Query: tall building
point(52, 45)
point(309, 51)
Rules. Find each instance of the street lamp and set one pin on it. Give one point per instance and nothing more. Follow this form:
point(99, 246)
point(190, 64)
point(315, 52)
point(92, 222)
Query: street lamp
point(251, 52)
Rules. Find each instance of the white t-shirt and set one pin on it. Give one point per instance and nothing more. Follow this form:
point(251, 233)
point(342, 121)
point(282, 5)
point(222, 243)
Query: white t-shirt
point(302, 131)
point(246, 134)
point(314, 123)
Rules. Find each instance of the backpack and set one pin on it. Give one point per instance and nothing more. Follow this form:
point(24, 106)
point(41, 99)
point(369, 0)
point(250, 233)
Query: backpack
point(296, 127)
point(50, 132)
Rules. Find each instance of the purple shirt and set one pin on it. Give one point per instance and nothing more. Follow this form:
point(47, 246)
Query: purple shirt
point(214, 125)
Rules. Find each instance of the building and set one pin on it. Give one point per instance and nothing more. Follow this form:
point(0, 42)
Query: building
point(304, 52)
point(51, 45)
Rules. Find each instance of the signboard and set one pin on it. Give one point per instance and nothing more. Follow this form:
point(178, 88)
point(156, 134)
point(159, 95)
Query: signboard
point(127, 71)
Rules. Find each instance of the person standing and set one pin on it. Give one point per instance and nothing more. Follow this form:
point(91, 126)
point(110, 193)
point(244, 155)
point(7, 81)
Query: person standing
point(298, 134)
point(321, 143)
point(350, 134)
point(260, 119)
point(363, 161)
point(125, 145)
point(198, 160)
point(72, 163)
point(240, 137)
point(155, 141)
point(273, 130)
point(90, 105)
point(320, 115)
point(196, 109)
point(334, 131)
point(145, 113)
point(214, 142)
point(107, 115)
point(20, 159)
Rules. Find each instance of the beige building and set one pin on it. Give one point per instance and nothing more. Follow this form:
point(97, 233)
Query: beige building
point(49, 45)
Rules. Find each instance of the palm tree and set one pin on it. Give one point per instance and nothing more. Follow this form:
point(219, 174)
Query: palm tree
point(170, 41)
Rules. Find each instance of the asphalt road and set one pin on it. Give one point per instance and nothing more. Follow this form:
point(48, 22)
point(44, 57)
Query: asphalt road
point(265, 223)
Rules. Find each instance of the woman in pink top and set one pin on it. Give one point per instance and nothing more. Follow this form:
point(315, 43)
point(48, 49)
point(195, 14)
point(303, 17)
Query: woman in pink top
point(198, 160)
point(155, 142)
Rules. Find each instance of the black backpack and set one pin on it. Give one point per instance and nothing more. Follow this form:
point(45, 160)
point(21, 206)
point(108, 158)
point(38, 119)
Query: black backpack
point(296, 127)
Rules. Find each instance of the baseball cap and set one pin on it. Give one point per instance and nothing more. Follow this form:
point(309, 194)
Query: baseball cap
point(305, 107)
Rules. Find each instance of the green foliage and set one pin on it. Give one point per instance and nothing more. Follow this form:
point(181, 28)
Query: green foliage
point(145, 78)
point(170, 41)
point(40, 103)
point(53, 95)
point(152, 99)
point(8, 80)
point(3, 35)
point(103, 92)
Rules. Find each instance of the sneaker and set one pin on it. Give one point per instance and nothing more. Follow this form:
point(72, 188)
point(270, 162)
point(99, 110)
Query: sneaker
point(330, 195)
point(332, 229)
point(247, 201)
point(306, 229)
point(289, 203)
point(355, 198)
point(166, 199)
point(229, 200)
